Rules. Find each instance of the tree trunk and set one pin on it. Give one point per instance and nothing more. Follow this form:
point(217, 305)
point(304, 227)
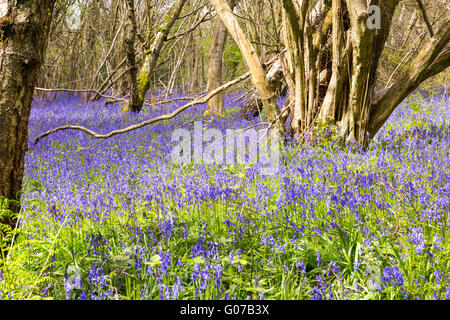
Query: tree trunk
point(356, 53)
point(294, 18)
point(23, 33)
point(218, 41)
point(152, 55)
point(350, 99)
point(195, 66)
point(123, 86)
point(258, 75)
point(133, 102)
point(339, 64)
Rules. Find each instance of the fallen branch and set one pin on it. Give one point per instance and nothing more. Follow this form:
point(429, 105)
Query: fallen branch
point(110, 101)
point(75, 90)
point(201, 100)
point(96, 135)
point(149, 103)
point(163, 101)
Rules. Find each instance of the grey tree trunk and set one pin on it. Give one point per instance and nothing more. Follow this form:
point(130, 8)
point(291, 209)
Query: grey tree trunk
point(133, 102)
point(23, 32)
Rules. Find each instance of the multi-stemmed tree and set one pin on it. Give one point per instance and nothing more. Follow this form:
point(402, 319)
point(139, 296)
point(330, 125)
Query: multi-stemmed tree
point(344, 91)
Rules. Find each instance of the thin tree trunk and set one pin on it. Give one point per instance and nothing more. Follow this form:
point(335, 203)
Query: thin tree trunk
point(195, 65)
point(294, 23)
point(218, 41)
point(334, 94)
point(133, 102)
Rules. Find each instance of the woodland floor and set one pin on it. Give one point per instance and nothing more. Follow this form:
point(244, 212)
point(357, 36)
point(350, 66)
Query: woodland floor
point(117, 220)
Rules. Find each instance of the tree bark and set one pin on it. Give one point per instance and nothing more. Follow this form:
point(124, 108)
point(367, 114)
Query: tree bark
point(425, 17)
point(258, 75)
point(335, 89)
point(152, 55)
point(218, 41)
point(23, 33)
point(294, 18)
point(133, 103)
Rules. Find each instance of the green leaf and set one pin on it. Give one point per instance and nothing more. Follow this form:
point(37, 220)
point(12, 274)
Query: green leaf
point(198, 260)
point(241, 261)
point(154, 260)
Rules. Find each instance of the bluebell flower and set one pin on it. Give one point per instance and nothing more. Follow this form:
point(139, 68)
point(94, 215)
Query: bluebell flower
point(82, 296)
point(316, 293)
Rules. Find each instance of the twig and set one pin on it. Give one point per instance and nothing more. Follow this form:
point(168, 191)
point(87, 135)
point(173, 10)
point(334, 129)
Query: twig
point(108, 54)
point(245, 95)
point(158, 102)
point(163, 101)
point(202, 19)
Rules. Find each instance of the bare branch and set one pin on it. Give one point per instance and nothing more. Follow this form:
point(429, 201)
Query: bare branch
point(74, 90)
point(105, 86)
point(96, 135)
point(433, 58)
point(201, 20)
point(113, 43)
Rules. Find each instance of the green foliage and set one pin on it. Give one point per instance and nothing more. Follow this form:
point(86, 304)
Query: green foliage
point(233, 59)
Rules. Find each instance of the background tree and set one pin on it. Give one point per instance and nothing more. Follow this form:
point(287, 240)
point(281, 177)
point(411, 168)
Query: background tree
point(133, 103)
point(218, 41)
point(351, 99)
point(152, 55)
point(336, 68)
point(258, 75)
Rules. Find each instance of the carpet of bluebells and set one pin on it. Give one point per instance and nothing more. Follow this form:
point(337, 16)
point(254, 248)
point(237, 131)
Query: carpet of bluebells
point(116, 219)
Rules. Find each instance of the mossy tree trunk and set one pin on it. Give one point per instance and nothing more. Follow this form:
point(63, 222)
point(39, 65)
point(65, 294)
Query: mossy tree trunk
point(23, 34)
point(151, 56)
point(349, 97)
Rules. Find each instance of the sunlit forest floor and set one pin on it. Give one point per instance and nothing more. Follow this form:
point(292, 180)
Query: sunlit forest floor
point(116, 219)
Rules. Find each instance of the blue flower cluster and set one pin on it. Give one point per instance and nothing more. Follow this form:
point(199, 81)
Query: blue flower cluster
point(336, 222)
